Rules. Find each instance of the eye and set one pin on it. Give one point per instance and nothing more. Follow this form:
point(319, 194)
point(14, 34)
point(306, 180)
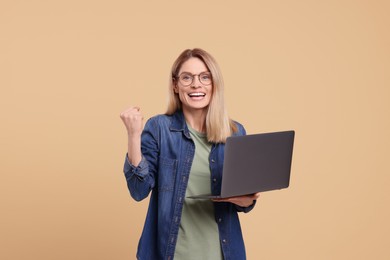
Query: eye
point(205, 76)
point(186, 77)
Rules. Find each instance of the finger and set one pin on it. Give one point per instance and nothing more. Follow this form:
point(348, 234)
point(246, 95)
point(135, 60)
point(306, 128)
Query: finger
point(132, 109)
point(217, 200)
point(257, 195)
point(223, 200)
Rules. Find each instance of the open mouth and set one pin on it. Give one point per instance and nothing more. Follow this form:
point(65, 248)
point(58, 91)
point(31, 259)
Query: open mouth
point(196, 95)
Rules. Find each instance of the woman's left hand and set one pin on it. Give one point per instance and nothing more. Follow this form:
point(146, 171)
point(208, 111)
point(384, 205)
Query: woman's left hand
point(242, 201)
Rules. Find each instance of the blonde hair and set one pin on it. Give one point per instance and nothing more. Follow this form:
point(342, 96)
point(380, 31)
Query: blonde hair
point(218, 125)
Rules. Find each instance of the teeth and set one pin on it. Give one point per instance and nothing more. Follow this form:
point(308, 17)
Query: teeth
point(196, 94)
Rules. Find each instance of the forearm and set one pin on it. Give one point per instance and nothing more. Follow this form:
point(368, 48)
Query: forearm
point(139, 180)
point(134, 153)
point(139, 169)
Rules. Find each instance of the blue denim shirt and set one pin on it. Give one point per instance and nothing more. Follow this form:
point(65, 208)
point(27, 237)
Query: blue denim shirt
point(167, 155)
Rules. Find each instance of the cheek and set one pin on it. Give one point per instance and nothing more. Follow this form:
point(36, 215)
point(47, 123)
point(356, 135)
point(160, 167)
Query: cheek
point(210, 89)
point(182, 95)
point(210, 92)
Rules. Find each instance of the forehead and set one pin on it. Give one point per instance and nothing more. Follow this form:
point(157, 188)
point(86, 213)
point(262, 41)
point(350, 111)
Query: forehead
point(193, 65)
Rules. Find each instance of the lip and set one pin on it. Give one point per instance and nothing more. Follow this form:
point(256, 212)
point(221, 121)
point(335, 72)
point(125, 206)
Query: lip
point(197, 94)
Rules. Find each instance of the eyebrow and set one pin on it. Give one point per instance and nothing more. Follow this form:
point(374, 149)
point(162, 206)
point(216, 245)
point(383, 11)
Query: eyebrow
point(194, 74)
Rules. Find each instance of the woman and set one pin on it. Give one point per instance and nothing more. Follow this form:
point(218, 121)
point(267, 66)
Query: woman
point(179, 154)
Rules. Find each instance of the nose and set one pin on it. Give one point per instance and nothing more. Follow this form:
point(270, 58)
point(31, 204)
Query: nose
point(196, 82)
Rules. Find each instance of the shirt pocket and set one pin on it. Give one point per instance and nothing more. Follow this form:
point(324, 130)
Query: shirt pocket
point(166, 174)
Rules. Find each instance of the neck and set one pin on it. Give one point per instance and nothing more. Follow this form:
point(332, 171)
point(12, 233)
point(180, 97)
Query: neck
point(196, 119)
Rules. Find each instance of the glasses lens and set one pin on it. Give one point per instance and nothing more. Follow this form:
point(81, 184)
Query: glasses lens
point(186, 79)
point(205, 78)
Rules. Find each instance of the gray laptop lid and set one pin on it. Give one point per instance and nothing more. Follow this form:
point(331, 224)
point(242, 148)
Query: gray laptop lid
point(256, 163)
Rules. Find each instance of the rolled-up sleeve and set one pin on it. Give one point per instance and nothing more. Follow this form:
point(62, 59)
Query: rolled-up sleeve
point(141, 179)
point(141, 171)
point(245, 209)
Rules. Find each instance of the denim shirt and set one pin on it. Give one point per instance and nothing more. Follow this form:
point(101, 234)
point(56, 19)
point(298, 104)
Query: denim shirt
point(167, 155)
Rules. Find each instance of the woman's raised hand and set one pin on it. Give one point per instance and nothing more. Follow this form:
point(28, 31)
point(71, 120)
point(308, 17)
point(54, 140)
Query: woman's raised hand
point(133, 120)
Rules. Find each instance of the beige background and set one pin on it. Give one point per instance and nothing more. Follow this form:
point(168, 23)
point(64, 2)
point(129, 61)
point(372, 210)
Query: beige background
point(68, 68)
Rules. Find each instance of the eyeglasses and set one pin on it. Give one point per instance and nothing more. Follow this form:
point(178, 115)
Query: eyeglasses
point(186, 78)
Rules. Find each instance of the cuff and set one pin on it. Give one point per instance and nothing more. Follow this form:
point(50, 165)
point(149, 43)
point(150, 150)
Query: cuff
point(246, 209)
point(140, 170)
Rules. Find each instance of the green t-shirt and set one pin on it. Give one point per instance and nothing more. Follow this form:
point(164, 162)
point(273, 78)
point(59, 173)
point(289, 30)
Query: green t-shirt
point(198, 233)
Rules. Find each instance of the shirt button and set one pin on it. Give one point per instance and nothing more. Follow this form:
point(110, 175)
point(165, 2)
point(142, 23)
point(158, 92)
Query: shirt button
point(224, 240)
point(214, 180)
point(219, 220)
point(212, 160)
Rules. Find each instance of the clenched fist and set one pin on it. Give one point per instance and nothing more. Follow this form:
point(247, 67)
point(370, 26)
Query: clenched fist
point(133, 120)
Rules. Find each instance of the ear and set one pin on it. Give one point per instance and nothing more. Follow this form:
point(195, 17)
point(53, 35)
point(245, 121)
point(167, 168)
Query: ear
point(175, 88)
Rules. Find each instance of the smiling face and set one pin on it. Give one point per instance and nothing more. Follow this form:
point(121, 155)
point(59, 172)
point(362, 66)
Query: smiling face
point(196, 96)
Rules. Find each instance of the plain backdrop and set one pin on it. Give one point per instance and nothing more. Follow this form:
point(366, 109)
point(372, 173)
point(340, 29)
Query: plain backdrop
point(68, 68)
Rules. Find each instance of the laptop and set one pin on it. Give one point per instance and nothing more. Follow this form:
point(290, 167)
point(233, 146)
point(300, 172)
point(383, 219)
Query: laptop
point(255, 163)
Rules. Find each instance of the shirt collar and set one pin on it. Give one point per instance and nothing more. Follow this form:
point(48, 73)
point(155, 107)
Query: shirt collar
point(179, 123)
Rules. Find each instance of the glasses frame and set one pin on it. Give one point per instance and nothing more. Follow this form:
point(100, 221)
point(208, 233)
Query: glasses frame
point(193, 76)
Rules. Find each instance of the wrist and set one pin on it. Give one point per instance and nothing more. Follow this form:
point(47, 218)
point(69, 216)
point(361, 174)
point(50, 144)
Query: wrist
point(134, 137)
